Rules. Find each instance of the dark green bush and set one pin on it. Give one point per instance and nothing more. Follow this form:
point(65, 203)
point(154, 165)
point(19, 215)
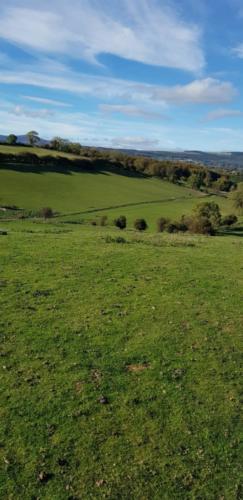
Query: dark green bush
point(229, 220)
point(172, 227)
point(140, 224)
point(121, 222)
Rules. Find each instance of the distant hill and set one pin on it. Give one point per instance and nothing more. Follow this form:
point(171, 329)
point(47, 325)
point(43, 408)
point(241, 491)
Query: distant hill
point(227, 160)
point(23, 139)
point(230, 160)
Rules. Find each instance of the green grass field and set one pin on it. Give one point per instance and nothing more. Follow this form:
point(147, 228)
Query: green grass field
point(87, 195)
point(121, 352)
point(153, 325)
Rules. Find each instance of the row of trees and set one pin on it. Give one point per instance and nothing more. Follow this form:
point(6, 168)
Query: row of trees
point(33, 138)
point(195, 176)
point(205, 219)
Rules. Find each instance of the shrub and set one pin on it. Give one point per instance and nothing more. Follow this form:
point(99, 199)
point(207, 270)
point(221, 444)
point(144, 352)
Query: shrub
point(229, 220)
point(46, 212)
point(183, 224)
point(201, 225)
point(121, 222)
point(162, 222)
point(238, 198)
point(118, 239)
point(225, 184)
point(140, 224)
point(209, 210)
point(172, 227)
point(103, 220)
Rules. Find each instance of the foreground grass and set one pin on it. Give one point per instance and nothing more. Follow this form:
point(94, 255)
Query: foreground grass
point(153, 326)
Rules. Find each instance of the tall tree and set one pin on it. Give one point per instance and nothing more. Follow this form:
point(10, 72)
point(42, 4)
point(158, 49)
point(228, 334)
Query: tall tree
point(12, 139)
point(33, 137)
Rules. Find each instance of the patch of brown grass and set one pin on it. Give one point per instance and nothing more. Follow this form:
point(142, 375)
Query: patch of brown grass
point(138, 367)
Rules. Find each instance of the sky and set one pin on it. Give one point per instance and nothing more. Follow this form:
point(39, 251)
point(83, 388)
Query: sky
point(143, 74)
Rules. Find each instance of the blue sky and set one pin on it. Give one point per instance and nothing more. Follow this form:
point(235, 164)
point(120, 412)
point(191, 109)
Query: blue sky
point(145, 74)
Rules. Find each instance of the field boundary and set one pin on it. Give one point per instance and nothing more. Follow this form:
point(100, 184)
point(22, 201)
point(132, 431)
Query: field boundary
point(131, 205)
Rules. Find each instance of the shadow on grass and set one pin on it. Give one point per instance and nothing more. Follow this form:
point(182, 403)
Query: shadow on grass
point(60, 165)
point(234, 231)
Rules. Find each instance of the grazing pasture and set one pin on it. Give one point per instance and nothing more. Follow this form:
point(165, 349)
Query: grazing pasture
point(120, 355)
point(83, 195)
point(120, 363)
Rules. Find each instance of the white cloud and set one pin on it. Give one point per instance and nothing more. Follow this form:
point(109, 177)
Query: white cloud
point(207, 90)
point(147, 31)
point(33, 113)
point(220, 114)
point(135, 142)
point(133, 111)
point(44, 100)
point(238, 51)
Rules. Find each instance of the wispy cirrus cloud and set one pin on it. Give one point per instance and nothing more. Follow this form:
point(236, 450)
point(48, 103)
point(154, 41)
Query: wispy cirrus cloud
point(146, 31)
point(45, 100)
point(31, 113)
point(132, 111)
point(203, 91)
point(135, 142)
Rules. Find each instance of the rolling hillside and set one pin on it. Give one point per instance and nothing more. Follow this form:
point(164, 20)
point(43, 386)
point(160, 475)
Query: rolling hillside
point(84, 194)
point(120, 352)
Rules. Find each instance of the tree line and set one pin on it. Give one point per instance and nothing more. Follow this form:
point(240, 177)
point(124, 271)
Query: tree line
point(179, 172)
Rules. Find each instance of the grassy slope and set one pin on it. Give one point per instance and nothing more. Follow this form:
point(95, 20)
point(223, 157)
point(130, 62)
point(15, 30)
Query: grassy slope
point(78, 312)
point(83, 192)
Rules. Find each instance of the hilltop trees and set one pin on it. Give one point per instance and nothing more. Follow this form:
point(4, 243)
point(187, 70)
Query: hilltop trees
point(57, 143)
point(65, 146)
point(12, 139)
point(33, 137)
